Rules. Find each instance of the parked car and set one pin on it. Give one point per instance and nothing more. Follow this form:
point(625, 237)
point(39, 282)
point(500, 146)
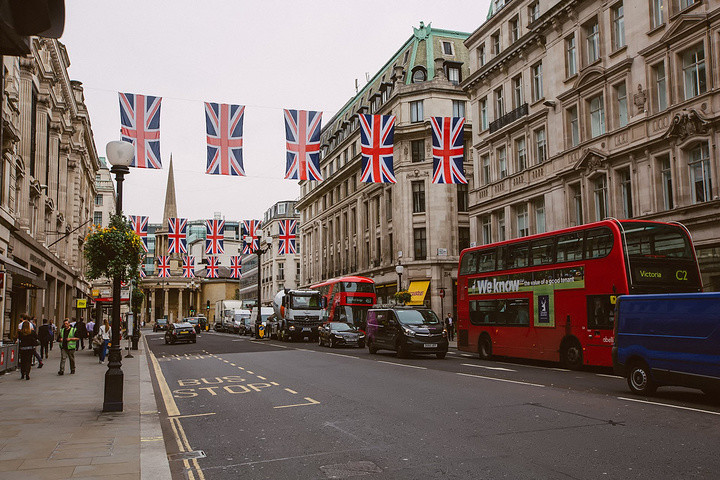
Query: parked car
point(669, 339)
point(405, 330)
point(195, 322)
point(180, 332)
point(160, 324)
point(340, 334)
point(247, 326)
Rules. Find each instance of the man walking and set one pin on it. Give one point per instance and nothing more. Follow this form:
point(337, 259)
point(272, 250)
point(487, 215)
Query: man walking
point(44, 335)
point(450, 327)
point(68, 343)
point(81, 330)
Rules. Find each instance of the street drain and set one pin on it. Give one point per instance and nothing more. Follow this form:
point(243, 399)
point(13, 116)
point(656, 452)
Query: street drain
point(350, 469)
point(186, 455)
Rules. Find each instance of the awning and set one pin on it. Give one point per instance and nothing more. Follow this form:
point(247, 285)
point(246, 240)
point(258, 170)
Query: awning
point(418, 290)
point(23, 276)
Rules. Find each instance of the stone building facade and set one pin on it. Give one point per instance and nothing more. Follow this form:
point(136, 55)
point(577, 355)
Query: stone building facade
point(105, 198)
point(48, 169)
point(587, 110)
point(279, 270)
point(349, 227)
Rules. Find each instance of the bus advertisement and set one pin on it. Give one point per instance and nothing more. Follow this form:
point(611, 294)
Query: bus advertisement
point(552, 296)
point(347, 299)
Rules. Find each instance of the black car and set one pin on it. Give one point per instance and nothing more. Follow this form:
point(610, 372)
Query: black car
point(405, 330)
point(195, 322)
point(339, 334)
point(160, 324)
point(180, 332)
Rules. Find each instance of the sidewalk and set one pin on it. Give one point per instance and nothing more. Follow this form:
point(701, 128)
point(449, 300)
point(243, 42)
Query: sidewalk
point(53, 427)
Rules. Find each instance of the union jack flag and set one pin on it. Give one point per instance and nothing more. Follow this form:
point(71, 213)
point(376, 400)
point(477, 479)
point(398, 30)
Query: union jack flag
point(224, 126)
point(376, 146)
point(188, 266)
point(140, 125)
point(140, 227)
point(287, 237)
point(163, 266)
point(177, 235)
point(214, 237)
point(447, 139)
point(142, 273)
point(236, 266)
point(302, 135)
point(250, 228)
point(213, 267)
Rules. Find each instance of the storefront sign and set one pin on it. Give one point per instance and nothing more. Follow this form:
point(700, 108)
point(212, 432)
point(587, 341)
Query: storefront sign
point(81, 303)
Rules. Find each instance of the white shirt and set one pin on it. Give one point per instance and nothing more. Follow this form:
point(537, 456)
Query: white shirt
point(105, 334)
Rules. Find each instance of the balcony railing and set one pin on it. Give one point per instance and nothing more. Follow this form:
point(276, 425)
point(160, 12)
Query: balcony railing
point(509, 118)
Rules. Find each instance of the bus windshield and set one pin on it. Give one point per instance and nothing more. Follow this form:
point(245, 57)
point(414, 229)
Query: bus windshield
point(305, 302)
point(356, 316)
point(653, 240)
point(353, 287)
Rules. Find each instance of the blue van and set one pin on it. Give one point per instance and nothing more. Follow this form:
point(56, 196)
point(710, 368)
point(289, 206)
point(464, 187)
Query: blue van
point(670, 339)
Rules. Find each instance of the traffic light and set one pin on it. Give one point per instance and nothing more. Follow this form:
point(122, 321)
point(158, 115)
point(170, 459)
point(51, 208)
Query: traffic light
point(20, 19)
point(207, 306)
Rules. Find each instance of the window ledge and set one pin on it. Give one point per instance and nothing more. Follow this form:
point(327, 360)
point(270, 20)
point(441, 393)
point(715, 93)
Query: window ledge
point(596, 62)
point(571, 77)
point(618, 51)
point(654, 30)
point(539, 100)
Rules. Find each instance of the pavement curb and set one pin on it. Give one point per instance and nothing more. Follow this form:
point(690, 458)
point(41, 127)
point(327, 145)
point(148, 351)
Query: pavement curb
point(154, 464)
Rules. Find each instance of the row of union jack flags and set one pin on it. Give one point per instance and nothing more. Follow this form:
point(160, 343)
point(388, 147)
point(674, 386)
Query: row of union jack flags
point(215, 235)
point(212, 270)
point(140, 125)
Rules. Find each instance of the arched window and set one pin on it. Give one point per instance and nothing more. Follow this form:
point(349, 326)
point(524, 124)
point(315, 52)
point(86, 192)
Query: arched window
point(419, 75)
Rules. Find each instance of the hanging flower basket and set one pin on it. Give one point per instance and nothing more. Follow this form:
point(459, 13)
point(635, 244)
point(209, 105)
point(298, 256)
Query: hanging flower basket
point(403, 297)
point(113, 251)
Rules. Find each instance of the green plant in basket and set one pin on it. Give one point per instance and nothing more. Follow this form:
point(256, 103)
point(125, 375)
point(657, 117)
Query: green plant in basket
point(403, 297)
point(113, 251)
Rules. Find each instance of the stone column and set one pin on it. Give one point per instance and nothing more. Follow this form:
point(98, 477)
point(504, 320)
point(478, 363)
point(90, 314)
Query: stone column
point(27, 69)
point(180, 302)
point(166, 304)
point(143, 308)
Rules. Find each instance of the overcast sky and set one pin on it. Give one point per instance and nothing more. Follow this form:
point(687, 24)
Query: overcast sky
point(267, 55)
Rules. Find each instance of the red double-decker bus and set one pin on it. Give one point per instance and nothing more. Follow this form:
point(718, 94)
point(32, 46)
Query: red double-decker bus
point(347, 299)
point(552, 296)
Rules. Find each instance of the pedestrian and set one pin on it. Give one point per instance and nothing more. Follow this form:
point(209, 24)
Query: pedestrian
point(52, 334)
point(104, 332)
point(450, 327)
point(90, 326)
point(68, 343)
point(82, 332)
point(45, 336)
point(28, 341)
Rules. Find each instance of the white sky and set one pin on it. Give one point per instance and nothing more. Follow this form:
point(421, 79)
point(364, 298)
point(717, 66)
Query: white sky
point(267, 55)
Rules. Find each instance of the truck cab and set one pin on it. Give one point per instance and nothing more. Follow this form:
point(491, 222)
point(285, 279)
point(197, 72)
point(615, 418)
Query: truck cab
point(298, 313)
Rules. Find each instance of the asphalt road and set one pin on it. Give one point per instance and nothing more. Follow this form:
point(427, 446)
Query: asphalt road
point(265, 409)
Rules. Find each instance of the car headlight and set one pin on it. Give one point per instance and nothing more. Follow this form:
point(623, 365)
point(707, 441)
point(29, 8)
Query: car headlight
point(292, 327)
point(444, 333)
point(361, 336)
point(409, 332)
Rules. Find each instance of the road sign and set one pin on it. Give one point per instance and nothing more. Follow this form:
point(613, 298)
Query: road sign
point(81, 303)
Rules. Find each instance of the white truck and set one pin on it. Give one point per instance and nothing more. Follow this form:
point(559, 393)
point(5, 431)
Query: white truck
point(298, 314)
point(225, 314)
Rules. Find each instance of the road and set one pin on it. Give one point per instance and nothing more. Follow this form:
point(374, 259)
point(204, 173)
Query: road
point(271, 410)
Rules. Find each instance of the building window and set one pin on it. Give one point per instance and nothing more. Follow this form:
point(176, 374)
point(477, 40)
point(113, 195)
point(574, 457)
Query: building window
point(658, 12)
point(666, 182)
point(517, 91)
point(514, 29)
point(626, 192)
point(501, 225)
point(485, 162)
point(98, 200)
point(483, 114)
point(419, 75)
point(416, 111)
point(686, 3)
point(601, 198)
point(463, 238)
point(486, 226)
point(570, 60)
point(573, 126)
point(417, 148)
point(694, 71)
point(539, 206)
point(297, 270)
point(453, 74)
point(447, 48)
point(520, 154)
point(481, 55)
point(281, 271)
point(618, 20)
point(499, 103)
point(97, 218)
point(597, 116)
point(495, 39)
point(534, 11)
point(700, 179)
point(523, 228)
point(660, 86)
point(540, 145)
point(622, 104)
point(502, 162)
point(418, 193)
point(592, 37)
point(537, 82)
point(462, 197)
point(576, 194)
point(458, 108)
point(420, 243)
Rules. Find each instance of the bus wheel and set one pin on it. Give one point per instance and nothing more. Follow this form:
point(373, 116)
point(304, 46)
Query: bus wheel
point(638, 379)
point(571, 354)
point(485, 347)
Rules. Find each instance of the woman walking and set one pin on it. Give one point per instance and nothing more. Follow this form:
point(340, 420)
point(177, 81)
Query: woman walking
point(104, 332)
point(28, 341)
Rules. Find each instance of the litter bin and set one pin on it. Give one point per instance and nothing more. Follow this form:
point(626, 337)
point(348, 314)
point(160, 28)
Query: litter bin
point(11, 358)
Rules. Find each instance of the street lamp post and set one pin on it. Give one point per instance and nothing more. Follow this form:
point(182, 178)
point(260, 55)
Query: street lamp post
point(120, 155)
point(259, 252)
point(399, 270)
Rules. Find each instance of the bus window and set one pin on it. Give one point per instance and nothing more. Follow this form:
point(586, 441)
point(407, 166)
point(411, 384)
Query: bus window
point(570, 247)
point(541, 251)
point(598, 243)
point(360, 287)
point(600, 312)
point(511, 312)
point(468, 266)
point(653, 240)
point(518, 255)
point(486, 261)
point(482, 312)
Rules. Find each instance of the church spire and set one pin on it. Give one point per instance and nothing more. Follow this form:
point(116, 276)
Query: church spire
point(170, 210)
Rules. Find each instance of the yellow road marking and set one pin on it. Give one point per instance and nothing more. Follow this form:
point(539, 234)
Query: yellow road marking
point(151, 439)
point(233, 365)
point(291, 391)
point(274, 383)
point(310, 402)
point(261, 378)
point(251, 373)
point(195, 415)
point(170, 405)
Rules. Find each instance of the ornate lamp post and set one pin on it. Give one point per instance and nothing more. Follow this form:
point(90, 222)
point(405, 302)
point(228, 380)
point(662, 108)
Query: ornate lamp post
point(259, 252)
point(399, 270)
point(120, 155)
